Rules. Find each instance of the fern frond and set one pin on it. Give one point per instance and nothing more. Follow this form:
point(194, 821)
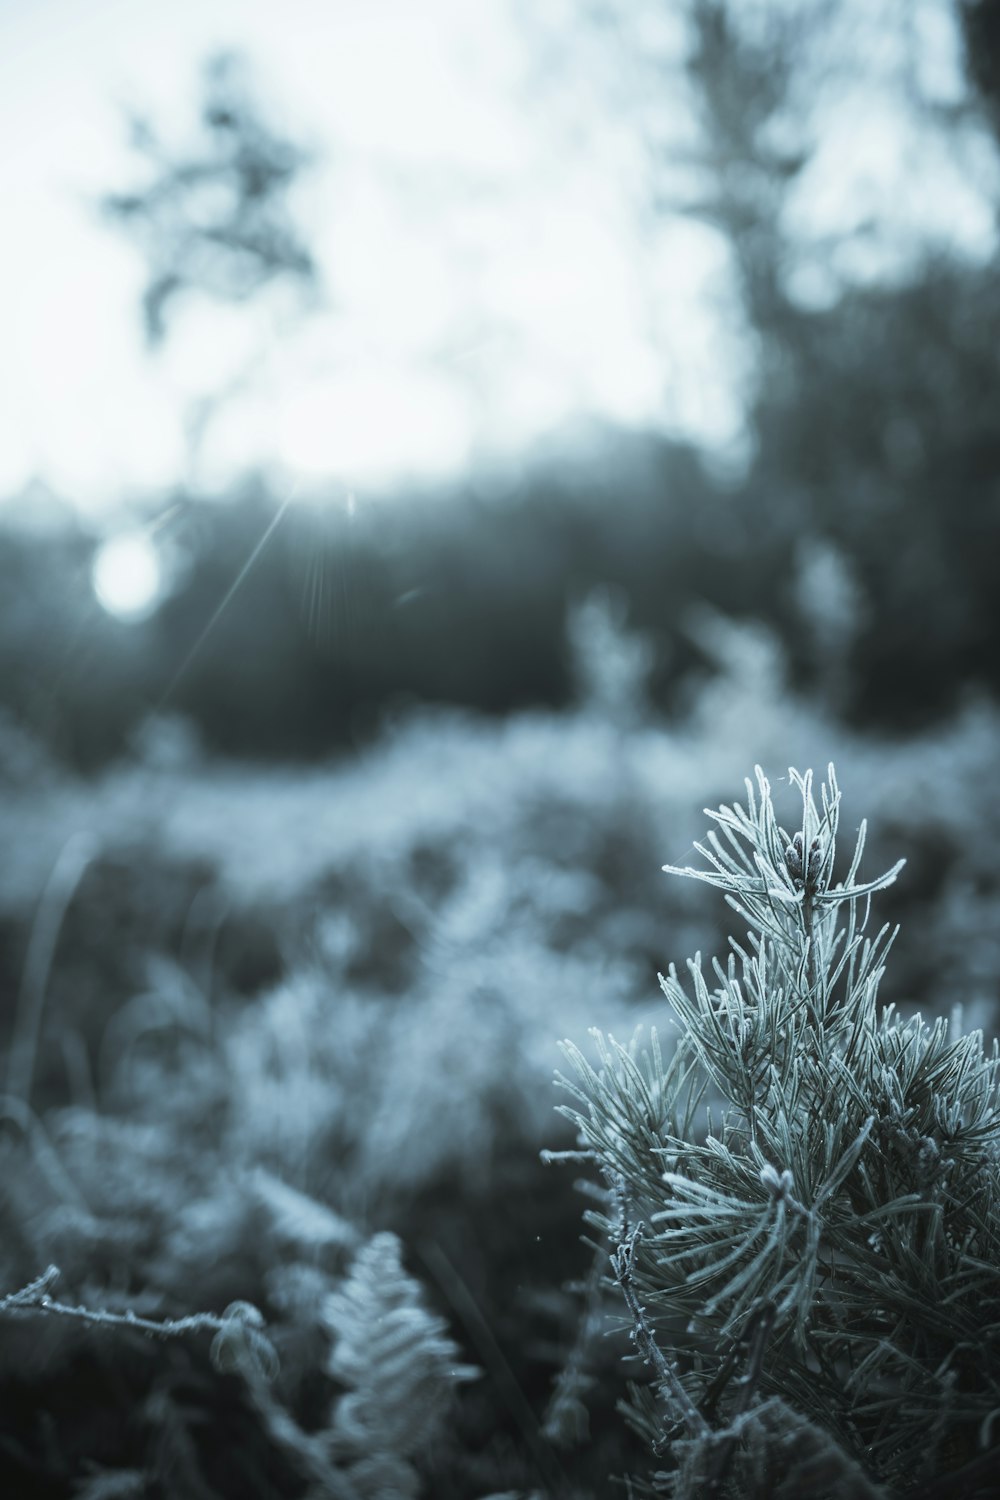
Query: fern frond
point(400, 1368)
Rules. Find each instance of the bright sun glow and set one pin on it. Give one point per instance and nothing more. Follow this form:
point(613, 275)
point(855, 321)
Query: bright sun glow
point(371, 428)
point(482, 232)
point(127, 576)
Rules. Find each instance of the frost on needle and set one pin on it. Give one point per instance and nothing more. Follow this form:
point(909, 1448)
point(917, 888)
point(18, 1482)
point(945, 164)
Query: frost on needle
point(802, 1194)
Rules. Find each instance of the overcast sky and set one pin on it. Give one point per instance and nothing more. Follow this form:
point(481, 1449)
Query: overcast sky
point(476, 213)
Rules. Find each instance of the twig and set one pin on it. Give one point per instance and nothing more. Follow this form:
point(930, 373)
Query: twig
point(35, 1298)
point(667, 1378)
point(33, 1292)
point(328, 1481)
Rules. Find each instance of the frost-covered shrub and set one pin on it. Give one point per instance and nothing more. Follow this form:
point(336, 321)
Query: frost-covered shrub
point(289, 1009)
point(803, 1196)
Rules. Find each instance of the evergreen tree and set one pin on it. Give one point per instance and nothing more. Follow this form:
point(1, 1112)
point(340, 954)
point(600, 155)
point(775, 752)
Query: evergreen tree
point(803, 1198)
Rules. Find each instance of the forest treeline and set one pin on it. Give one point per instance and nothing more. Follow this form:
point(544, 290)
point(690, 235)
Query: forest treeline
point(863, 534)
point(861, 527)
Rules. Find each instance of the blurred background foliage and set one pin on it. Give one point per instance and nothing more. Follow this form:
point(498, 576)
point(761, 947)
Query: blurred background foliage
point(312, 861)
point(868, 490)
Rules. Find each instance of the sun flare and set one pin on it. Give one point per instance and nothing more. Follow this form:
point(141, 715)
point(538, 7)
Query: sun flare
point(127, 576)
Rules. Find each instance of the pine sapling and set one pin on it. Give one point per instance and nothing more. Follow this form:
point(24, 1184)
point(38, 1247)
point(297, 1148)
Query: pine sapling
point(802, 1199)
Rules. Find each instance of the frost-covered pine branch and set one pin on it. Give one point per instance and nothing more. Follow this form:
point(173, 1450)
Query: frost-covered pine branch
point(803, 1204)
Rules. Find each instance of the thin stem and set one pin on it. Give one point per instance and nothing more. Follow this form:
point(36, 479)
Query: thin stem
point(35, 1298)
point(74, 859)
point(667, 1378)
point(465, 1305)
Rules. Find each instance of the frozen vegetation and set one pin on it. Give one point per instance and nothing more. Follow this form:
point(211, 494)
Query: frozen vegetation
point(284, 1041)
